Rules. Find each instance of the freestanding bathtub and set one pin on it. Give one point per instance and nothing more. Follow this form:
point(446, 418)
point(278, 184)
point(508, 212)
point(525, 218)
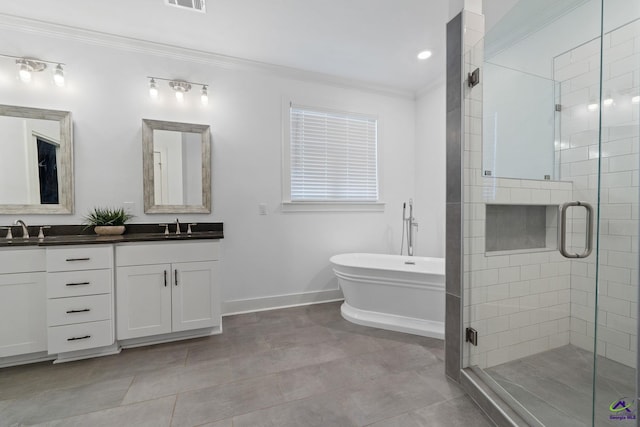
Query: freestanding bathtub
point(395, 292)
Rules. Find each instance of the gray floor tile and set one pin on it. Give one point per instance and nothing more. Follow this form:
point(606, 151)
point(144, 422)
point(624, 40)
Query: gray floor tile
point(217, 403)
point(62, 403)
point(458, 412)
point(169, 381)
point(556, 385)
point(324, 410)
point(300, 366)
point(26, 380)
point(154, 413)
point(284, 358)
point(134, 361)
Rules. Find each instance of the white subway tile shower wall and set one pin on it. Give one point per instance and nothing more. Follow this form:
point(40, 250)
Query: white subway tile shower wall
point(518, 302)
point(527, 303)
point(578, 73)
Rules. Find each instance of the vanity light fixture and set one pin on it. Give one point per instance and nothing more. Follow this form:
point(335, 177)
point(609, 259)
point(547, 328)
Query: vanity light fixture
point(28, 66)
point(180, 87)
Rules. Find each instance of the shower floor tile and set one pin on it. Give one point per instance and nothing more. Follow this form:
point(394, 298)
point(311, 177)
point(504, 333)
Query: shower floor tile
point(556, 386)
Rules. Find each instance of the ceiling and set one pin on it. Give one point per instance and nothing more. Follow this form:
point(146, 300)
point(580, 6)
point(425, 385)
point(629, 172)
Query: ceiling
point(374, 41)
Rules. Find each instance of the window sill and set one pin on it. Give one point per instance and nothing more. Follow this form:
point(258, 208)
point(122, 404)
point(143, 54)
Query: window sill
point(332, 207)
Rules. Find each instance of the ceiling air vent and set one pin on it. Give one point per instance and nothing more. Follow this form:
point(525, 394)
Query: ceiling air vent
point(197, 5)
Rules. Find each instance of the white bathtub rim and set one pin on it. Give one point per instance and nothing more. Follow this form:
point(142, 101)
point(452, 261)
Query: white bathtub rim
point(338, 261)
point(409, 325)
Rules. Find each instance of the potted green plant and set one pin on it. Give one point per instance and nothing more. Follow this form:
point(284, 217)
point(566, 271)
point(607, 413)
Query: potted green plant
point(107, 221)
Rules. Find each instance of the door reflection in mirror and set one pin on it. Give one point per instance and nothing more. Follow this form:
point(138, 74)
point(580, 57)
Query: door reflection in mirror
point(177, 168)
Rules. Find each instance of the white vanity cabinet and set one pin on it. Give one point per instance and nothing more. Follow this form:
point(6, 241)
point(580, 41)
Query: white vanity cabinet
point(23, 320)
point(80, 311)
point(164, 287)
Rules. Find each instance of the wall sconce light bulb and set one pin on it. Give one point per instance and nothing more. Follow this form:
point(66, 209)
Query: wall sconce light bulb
point(24, 73)
point(593, 106)
point(179, 95)
point(204, 96)
point(635, 99)
point(153, 89)
point(58, 76)
point(607, 102)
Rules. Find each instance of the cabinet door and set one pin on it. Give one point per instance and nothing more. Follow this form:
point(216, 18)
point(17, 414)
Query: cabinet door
point(23, 313)
point(143, 300)
point(195, 295)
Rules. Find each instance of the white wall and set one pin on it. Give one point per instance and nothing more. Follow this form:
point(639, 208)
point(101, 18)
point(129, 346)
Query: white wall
point(430, 164)
point(262, 256)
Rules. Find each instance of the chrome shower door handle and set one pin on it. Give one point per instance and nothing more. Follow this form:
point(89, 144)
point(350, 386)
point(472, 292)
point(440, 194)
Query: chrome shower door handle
point(588, 247)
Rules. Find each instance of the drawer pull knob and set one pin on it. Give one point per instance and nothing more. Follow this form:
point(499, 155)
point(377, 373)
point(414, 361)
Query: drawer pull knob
point(78, 283)
point(78, 259)
point(79, 338)
point(78, 311)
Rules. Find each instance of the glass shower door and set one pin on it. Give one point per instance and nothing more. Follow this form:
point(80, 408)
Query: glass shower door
point(615, 384)
point(557, 335)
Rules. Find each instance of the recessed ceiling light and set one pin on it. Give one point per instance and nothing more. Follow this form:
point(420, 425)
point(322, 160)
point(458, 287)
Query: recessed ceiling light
point(424, 54)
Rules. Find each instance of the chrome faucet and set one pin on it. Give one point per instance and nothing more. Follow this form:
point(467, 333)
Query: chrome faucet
point(177, 226)
point(25, 230)
point(409, 226)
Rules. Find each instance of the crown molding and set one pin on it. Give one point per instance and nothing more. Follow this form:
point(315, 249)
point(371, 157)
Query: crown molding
point(49, 29)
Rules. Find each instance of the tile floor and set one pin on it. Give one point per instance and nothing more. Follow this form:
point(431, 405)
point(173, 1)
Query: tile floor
point(302, 366)
point(556, 386)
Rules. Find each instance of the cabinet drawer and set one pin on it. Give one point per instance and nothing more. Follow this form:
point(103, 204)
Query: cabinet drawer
point(79, 258)
point(26, 260)
point(166, 252)
point(75, 283)
point(80, 336)
point(66, 311)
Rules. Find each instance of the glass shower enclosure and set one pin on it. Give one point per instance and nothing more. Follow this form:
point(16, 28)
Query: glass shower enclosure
point(551, 211)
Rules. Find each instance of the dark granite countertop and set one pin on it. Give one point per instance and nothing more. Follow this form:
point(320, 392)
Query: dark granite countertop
point(79, 235)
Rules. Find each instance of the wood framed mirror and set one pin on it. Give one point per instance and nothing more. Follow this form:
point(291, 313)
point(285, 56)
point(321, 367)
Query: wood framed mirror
point(36, 165)
point(177, 167)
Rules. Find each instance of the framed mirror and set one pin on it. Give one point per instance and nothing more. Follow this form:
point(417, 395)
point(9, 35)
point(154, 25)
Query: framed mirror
point(177, 167)
point(36, 165)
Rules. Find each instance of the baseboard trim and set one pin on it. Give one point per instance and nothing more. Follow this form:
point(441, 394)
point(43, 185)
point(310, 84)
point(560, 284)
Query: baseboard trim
point(280, 301)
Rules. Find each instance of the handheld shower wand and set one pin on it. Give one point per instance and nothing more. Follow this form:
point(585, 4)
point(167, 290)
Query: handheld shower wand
point(410, 229)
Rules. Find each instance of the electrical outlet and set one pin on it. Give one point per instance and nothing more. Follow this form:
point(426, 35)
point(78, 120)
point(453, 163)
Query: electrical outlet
point(262, 208)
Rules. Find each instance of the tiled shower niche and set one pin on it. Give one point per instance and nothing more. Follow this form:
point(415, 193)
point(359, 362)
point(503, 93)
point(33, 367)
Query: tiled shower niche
point(521, 227)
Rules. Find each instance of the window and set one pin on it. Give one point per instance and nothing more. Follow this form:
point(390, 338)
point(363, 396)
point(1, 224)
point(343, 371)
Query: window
point(332, 156)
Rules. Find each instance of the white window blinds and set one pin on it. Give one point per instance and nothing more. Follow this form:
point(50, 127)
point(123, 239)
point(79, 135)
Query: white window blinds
point(333, 156)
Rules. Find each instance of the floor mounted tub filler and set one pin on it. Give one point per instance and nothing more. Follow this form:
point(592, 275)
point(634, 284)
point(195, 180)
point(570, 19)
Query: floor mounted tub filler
point(394, 292)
